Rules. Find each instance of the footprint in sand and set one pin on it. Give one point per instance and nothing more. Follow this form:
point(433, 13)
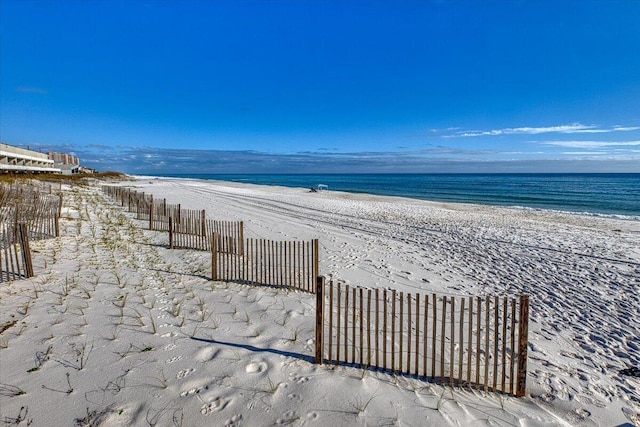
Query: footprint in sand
point(183, 373)
point(294, 396)
point(174, 359)
point(217, 405)
point(233, 421)
point(586, 400)
point(194, 389)
point(206, 354)
point(297, 378)
point(579, 415)
point(287, 418)
point(547, 397)
point(169, 347)
point(631, 415)
point(190, 391)
point(256, 367)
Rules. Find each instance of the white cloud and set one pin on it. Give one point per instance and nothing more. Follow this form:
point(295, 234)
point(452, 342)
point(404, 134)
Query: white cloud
point(608, 130)
point(591, 131)
point(591, 144)
point(575, 127)
point(527, 130)
point(625, 128)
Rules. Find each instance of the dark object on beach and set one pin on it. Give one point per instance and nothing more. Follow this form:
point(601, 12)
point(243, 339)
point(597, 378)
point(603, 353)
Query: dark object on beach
point(313, 190)
point(631, 372)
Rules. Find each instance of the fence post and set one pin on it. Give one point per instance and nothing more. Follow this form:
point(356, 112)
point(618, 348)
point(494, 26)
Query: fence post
point(523, 341)
point(170, 232)
point(151, 214)
point(26, 251)
point(241, 238)
point(316, 258)
point(319, 319)
point(15, 223)
point(3, 236)
point(203, 224)
point(214, 256)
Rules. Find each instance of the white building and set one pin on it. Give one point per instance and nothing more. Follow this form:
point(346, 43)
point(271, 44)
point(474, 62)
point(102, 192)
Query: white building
point(14, 159)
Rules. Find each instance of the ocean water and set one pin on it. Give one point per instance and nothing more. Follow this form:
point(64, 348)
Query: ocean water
point(598, 194)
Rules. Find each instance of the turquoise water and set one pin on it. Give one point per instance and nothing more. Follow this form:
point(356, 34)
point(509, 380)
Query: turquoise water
point(608, 194)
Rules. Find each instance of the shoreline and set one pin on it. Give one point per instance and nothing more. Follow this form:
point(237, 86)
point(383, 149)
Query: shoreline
point(627, 223)
point(626, 217)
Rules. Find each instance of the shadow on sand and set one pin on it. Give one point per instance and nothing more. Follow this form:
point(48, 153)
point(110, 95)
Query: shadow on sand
point(255, 349)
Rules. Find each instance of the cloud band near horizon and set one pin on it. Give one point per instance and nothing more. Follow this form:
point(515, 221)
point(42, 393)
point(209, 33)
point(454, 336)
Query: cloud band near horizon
point(158, 161)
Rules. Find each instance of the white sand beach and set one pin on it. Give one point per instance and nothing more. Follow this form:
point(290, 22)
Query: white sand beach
point(118, 330)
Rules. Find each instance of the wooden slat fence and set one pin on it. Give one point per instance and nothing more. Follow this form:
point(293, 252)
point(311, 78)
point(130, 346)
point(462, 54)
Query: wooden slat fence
point(144, 202)
point(145, 206)
point(133, 201)
point(474, 342)
point(291, 264)
point(160, 212)
point(195, 231)
point(117, 193)
point(188, 228)
point(15, 254)
point(42, 216)
point(23, 204)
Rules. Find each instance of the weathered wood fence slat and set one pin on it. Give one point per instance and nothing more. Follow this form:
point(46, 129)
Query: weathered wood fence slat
point(160, 214)
point(15, 253)
point(198, 233)
point(29, 205)
point(133, 201)
point(291, 264)
point(469, 341)
point(188, 228)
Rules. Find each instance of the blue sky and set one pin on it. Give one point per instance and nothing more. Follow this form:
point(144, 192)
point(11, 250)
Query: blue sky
point(324, 86)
